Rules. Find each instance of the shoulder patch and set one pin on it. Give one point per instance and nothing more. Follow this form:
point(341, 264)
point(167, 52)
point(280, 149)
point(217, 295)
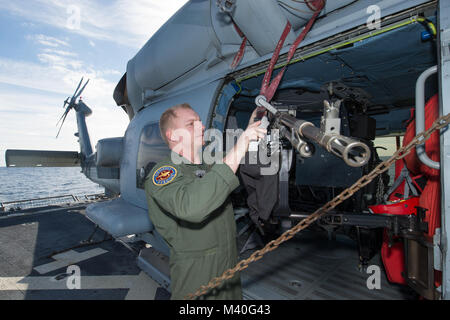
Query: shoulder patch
point(164, 175)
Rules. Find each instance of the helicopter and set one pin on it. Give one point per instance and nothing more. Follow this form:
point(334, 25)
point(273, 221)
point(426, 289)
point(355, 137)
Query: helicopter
point(365, 59)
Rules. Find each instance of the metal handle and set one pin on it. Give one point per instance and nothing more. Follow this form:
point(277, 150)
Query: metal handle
point(420, 116)
point(261, 101)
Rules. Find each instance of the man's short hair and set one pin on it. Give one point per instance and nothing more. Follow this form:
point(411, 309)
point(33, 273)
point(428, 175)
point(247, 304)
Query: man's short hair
point(166, 118)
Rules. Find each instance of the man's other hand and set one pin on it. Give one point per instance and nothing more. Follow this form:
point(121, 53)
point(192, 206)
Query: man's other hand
point(252, 133)
point(255, 115)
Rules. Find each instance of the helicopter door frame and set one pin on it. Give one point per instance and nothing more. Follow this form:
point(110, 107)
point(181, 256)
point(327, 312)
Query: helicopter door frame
point(442, 244)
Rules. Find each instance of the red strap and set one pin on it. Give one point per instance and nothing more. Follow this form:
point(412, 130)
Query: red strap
point(273, 61)
point(315, 4)
point(268, 89)
point(414, 180)
point(240, 54)
point(238, 57)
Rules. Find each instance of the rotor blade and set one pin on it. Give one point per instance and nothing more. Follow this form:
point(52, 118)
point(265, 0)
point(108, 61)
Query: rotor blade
point(66, 102)
point(79, 84)
point(41, 158)
point(63, 119)
point(82, 89)
point(62, 116)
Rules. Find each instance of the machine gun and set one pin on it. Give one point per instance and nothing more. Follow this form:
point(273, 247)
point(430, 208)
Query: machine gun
point(301, 133)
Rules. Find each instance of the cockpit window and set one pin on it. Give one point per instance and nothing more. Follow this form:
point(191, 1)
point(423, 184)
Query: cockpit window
point(152, 149)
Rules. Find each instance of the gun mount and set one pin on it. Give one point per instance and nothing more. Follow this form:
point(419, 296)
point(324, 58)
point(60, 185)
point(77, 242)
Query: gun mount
point(300, 133)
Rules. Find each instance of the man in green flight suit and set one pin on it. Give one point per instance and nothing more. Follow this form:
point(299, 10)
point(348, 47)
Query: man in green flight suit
point(190, 207)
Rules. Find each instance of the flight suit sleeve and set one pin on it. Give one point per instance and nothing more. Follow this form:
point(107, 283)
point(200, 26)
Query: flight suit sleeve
point(193, 200)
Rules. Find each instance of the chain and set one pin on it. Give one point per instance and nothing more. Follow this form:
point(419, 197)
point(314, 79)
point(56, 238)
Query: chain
point(380, 190)
point(344, 195)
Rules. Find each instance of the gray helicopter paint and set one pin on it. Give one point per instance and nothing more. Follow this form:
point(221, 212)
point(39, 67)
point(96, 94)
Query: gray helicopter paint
point(265, 37)
point(83, 111)
point(119, 217)
point(300, 15)
point(110, 180)
point(109, 152)
point(218, 66)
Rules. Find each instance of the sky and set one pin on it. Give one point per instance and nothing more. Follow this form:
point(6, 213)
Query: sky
point(48, 45)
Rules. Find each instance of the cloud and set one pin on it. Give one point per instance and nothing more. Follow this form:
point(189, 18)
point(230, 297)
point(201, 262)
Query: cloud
point(59, 71)
point(29, 112)
point(54, 74)
point(47, 41)
point(59, 52)
point(27, 24)
point(56, 60)
point(128, 23)
point(29, 122)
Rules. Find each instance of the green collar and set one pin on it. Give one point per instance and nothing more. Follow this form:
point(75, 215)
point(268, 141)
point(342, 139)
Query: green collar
point(174, 155)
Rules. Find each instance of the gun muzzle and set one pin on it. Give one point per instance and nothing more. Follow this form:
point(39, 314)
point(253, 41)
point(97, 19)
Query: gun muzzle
point(353, 152)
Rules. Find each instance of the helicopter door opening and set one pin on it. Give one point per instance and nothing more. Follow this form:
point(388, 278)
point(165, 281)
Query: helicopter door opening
point(376, 88)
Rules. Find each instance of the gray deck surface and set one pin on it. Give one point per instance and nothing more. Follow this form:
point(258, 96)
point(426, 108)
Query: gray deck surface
point(306, 267)
point(28, 241)
point(311, 267)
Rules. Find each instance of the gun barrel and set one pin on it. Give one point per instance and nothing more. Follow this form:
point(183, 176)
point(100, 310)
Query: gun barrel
point(353, 152)
point(305, 149)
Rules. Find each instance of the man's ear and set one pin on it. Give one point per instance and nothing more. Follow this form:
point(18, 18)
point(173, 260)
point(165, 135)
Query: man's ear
point(171, 136)
point(168, 134)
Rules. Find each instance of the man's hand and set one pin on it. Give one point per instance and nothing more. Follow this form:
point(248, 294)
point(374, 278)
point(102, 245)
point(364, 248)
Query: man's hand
point(252, 133)
point(255, 114)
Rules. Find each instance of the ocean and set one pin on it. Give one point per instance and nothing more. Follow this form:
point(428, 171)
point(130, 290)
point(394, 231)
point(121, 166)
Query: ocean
point(39, 182)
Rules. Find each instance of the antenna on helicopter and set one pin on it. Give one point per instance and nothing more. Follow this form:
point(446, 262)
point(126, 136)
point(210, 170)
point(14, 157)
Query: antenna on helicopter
point(71, 104)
